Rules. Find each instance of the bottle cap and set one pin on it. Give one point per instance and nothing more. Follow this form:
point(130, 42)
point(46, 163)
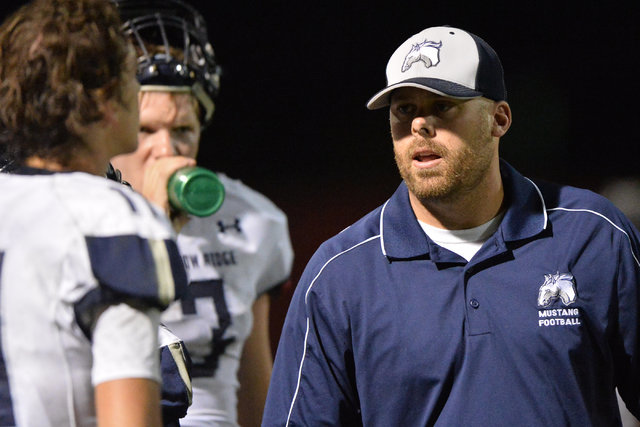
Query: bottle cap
point(196, 190)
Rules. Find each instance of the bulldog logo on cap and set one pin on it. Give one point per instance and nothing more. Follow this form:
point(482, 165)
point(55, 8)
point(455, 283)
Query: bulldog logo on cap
point(427, 52)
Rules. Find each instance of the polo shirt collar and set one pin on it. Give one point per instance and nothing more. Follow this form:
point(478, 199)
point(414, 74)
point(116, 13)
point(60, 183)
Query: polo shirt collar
point(403, 238)
point(526, 214)
point(400, 232)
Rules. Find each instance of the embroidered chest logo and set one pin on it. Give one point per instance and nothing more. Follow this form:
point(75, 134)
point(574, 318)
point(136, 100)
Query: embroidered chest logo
point(558, 286)
point(427, 52)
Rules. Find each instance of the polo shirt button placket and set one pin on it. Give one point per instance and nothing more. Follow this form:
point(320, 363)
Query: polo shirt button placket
point(477, 318)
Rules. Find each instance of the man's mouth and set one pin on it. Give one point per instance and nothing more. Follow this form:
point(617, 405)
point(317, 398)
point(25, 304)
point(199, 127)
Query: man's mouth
point(426, 159)
point(423, 157)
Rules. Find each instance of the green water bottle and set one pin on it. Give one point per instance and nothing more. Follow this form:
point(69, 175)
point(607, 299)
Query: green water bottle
point(196, 190)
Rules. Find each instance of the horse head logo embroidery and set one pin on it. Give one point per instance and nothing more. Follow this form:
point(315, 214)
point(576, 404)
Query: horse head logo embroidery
point(428, 52)
point(559, 285)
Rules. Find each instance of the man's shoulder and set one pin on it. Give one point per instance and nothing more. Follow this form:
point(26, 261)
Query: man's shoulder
point(247, 218)
point(99, 205)
point(79, 192)
point(583, 207)
point(91, 188)
point(353, 256)
point(239, 196)
point(364, 231)
point(571, 197)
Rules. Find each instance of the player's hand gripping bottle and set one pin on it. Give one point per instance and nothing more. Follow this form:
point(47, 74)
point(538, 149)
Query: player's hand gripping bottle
point(196, 190)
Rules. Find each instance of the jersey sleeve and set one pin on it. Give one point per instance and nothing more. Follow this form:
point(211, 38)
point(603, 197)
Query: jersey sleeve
point(148, 269)
point(277, 266)
point(131, 251)
point(125, 344)
point(268, 225)
point(175, 365)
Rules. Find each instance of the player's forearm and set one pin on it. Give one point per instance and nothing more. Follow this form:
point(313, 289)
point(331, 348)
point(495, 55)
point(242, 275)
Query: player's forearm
point(253, 393)
point(255, 367)
point(133, 402)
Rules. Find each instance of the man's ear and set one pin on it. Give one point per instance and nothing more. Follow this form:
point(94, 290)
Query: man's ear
point(106, 106)
point(501, 118)
point(108, 112)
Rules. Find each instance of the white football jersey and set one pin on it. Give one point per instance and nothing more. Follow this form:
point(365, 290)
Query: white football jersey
point(72, 244)
point(231, 258)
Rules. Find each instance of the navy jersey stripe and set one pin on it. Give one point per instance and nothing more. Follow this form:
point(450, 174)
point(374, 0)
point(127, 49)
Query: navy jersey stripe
point(180, 280)
point(210, 289)
point(91, 305)
point(176, 395)
point(132, 204)
point(127, 266)
point(6, 405)
point(127, 198)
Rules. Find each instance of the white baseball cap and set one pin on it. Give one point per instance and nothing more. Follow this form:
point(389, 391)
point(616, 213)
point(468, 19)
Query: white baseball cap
point(447, 61)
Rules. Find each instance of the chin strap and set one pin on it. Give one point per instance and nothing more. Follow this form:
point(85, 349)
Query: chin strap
point(6, 164)
point(115, 175)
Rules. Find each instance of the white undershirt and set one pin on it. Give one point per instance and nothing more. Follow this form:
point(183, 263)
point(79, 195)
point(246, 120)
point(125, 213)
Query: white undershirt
point(463, 242)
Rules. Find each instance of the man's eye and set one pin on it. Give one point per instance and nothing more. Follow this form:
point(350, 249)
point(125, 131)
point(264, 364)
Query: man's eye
point(144, 129)
point(405, 109)
point(183, 129)
point(443, 106)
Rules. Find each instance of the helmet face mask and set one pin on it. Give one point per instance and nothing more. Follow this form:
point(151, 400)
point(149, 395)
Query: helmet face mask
point(174, 53)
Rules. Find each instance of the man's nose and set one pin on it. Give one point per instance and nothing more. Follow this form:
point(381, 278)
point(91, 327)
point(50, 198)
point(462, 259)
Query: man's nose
point(163, 144)
point(424, 126)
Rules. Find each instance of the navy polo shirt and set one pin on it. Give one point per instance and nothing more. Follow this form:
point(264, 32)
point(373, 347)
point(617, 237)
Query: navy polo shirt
point(388, 329)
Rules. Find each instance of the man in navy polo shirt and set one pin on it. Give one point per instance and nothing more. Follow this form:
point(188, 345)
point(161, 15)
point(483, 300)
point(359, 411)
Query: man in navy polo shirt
point(474, 296)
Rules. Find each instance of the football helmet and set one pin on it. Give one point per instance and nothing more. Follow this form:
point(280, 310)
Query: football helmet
point(174, 53)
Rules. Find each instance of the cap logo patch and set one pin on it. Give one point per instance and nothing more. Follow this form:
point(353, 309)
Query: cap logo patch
point(427, 52)
point(559, 285)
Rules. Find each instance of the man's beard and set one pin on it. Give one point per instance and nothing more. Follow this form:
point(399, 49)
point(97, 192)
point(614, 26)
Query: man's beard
point(459, 172)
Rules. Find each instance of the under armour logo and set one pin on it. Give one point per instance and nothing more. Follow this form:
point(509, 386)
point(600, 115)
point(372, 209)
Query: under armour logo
point(235, 226)
point(427, 52)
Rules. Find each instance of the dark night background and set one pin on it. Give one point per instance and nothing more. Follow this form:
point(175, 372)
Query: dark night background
point(291, 119)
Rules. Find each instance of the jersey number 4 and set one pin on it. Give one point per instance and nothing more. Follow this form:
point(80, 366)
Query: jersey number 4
point(209, 289)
